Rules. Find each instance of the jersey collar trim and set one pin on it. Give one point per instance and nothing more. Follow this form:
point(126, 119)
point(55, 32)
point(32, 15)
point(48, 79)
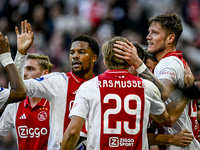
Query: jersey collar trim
point(78, 79)
point(176, 53)
point(117, 71)
point(41, 103)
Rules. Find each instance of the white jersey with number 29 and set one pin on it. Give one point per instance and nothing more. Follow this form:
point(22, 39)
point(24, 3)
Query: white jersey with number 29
point(116, 106)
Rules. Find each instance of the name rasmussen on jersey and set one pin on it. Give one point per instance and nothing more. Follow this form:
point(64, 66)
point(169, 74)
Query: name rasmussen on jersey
point(120, 84)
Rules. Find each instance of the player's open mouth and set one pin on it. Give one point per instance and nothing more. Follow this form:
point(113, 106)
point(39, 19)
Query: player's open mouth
point(76, 63)
point(150, 44)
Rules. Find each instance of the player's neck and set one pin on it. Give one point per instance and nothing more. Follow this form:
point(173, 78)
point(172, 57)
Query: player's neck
point(34, 100)
point(86, 76)
point(161, 54)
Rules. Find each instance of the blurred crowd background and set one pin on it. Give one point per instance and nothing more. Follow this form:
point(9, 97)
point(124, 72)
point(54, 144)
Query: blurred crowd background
point(56, 22)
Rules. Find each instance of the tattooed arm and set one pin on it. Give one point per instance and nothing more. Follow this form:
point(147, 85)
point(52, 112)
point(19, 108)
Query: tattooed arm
point(176, 103)
point(146, 74)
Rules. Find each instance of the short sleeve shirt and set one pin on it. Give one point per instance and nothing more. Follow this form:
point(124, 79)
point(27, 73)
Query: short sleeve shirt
point(117, 106)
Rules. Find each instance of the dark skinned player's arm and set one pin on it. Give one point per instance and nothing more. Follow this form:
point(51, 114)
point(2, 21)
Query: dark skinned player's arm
point(18, 90)
point(72, 133)
point(24, 41)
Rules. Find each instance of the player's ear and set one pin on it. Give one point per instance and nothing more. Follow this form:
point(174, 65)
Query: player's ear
point(94, 58)
point(45, 72)
point(170, 38)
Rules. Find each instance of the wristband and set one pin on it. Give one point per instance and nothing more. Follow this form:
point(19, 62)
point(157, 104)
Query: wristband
point(6, 59)
point(141, 68)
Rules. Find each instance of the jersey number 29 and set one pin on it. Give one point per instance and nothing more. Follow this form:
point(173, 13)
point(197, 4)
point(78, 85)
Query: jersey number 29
point(136, 111)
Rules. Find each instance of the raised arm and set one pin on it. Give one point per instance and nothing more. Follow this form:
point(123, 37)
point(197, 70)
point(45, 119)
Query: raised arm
point(17, 91)
point(25, 39)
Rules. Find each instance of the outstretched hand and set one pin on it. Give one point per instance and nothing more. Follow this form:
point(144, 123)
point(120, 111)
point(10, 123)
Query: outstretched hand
point(25, 39)
point(128, 52)
point(4, 44)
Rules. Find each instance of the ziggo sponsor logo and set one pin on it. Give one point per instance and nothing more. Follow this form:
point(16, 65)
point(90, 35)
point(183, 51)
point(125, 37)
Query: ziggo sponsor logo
point(25, 132)
point(116, 142)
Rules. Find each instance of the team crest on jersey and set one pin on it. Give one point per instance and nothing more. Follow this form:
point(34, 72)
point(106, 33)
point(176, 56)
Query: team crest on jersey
point(42, 116)
point(1, 89)
point(40, 79)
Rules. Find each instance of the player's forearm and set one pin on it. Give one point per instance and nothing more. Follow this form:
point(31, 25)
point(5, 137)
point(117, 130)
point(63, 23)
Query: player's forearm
point(173, 111)
point(159, 139)
point(146, 74)
point(176, 108)
point(18, 90)
point(19, 62)
point(16, 82)
point(69, 141)
point(162, 119)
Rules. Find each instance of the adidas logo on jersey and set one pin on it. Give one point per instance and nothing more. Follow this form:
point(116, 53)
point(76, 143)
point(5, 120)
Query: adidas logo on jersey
point(23, 116)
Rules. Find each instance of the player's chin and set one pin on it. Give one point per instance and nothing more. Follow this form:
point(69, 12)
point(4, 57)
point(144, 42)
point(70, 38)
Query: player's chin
point(151, 50)
point(77, 70)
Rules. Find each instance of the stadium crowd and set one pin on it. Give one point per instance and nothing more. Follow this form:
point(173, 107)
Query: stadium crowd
point(56, 22)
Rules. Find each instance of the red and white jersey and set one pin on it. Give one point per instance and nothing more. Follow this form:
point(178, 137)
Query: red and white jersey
point(4, 94)
point(193, 116)
point(31, 124)
point(53, 87)
point(74, 83)
point(59, 89)
point(171, 67)
point(116, 106)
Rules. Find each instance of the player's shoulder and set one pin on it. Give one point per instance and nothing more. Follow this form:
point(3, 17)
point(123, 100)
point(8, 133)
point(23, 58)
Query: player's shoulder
point(13, 106)
point(4, 95)
point(150, 87)
point(170, 61)
point(148, 84)
point(4, 90)
point(53, 76)
point(90, 83)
